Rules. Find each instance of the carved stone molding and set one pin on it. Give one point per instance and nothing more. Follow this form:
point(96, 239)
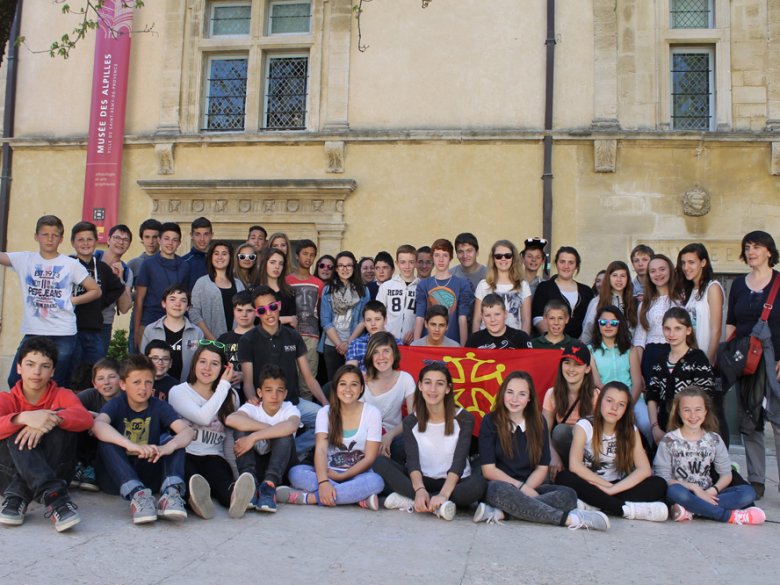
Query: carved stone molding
point(696, 202)
point(605, 156)
point(166, 164)
point(306, 208)
point(774, 167)
point(335, 152)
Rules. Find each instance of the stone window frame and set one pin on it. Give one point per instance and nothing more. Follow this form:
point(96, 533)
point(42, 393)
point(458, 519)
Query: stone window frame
point(195, 48)
point(710, 15)
point(719, 39)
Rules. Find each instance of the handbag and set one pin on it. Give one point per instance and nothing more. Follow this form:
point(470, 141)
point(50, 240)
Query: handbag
point(741, 357)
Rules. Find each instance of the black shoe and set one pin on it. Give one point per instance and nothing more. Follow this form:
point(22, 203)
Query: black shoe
point(12, 512)
point(759, 487)
point(61, 510)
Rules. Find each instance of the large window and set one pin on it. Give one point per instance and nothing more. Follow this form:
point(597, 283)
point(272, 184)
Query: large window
point(691, 14)
point(692, 82)
point(225, 98)
point(285, 91)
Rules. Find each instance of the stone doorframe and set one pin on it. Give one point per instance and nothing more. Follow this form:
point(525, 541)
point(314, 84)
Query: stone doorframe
point(304, 208)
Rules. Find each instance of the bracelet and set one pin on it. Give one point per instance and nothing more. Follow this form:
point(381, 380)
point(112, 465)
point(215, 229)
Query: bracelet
point(655, 424)
point(717, 491)
point(323, 481)
point(522, 483)
point(418, 489)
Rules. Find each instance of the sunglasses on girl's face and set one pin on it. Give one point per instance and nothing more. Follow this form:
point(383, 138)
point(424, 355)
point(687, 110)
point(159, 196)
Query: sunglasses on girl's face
point(610, 322)
point(325, 266)
point(505, 256)
point(270, 308)
point(217, 344)
point(247, 256)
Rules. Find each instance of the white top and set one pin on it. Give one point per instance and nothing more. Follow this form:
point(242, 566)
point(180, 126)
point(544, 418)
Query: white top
point(437, 450)
point(285, 412)
point(398, 298)
point(655, 317)
point(606, 468)
point(699, 310)
point(513, 300)
point(202, 414)
point(47, 288)
point(391, 402)
point(353, 446)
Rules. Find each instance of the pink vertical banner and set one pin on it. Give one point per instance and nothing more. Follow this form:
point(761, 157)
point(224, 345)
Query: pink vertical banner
point(107, 115)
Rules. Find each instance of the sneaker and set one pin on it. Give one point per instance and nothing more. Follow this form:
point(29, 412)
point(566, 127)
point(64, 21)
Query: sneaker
point(12, 512)
point(199, 499)
point(242, 493)
point(680, 514)
point(61, 511)
point(750, 515)
point(88, 480)
point(266, 498)
point(759, 487)
point(652, 511)
point(288, 495)
point(446, 511)
point(76, 481)
point(171, 505)
point(488, 514)
point(583, 506)
point(143, 507)
point(370, 503)
point(588, 519)
point(396, 501)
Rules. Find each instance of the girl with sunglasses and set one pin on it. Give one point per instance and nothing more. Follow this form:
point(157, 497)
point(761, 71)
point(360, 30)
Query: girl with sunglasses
point(205, 400)
point(246, 266)
point(506, 278)
point(273, 274)
point(616, 290)
point(212, 295)
point(611, 350)
point(325, 267)
point(341, 311)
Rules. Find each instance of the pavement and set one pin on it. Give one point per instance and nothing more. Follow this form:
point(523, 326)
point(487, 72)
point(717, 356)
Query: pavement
point(303, 545)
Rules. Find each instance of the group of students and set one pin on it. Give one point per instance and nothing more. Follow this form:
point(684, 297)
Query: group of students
point(226, 399)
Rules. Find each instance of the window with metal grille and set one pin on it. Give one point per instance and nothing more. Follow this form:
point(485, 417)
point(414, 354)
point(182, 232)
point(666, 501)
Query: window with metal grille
point(225, 94)
point(285, 93)
point(289, 17)
point(229, 19)
point(691, 13)
point(692, 88)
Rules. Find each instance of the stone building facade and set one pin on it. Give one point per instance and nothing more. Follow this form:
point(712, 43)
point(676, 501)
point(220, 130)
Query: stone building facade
point(666, 125)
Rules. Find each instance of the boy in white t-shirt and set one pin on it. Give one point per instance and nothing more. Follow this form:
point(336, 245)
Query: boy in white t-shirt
point(47, 279)
point(397, 295)
point(267, 447)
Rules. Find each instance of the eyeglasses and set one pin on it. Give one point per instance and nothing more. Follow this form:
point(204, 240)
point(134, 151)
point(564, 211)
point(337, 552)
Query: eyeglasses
point(344, 266)
point(610, 322)
point(325, 266)
point(160, 360)
point(425, 262)
point(210, 342)
point(269, 308)
point(117, 238)
point(506, 256)
point(247, 256)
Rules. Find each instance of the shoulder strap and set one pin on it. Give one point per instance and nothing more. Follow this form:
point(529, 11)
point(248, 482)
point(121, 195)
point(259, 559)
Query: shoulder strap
point(571, 409)
point(771, 298)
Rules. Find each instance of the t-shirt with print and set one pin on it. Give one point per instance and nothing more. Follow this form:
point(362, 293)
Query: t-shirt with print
point(47, 287)
point(352, 448)
point(691, 461)
point(173, 339)
point(258, 413)
point(391, 402)
point(144, 427)
point(513, 299)
point(510, 339)
point(606, 466)
point(230, 339)
point(307, 303)
point(453, 292)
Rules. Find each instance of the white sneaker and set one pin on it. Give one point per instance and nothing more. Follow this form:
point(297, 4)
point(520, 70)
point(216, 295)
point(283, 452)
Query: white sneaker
point(446, 511)
point(589, 520)
point(199, 492)
point(583, 506)
point(242, 493)
point(652, 511)
point(488, 514)
point(396, 501)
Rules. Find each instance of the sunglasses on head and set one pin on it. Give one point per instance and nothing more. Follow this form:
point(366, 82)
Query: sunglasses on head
point(247, 256)
point(611, 322)
point(211, 342)
point(505, 256)
point(269, 308)
point(325, 266)
point(535, 242)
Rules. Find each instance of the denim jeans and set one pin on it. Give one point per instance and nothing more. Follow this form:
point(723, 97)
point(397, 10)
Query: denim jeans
point(351, 491)
point(305, 441)
point(730, 499)
point(31, 473)
point(642, 419)
point(66, 347)
point(560, 439)
point(121, 473)
point(551, 506)
point(105, 336)
point(272, 466)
